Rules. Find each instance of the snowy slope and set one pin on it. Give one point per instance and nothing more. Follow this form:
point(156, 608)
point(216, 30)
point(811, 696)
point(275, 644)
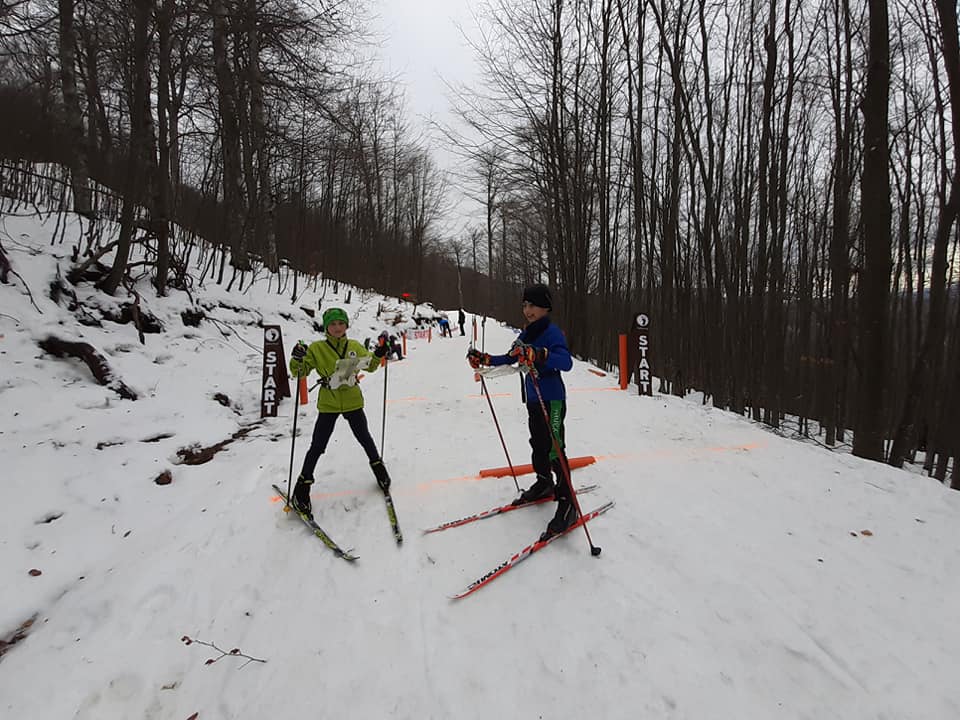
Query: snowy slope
point(735, 581)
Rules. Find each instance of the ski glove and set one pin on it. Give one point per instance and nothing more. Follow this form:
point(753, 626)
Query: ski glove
point(477, 358)
point(299, 351)
point(528, 355)
point(381, 350)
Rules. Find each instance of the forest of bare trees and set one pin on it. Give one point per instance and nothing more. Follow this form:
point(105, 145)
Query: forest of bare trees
point(258, 127)
point(775, 182)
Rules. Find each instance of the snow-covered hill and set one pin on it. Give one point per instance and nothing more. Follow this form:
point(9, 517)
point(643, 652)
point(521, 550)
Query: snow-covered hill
point(743, 575)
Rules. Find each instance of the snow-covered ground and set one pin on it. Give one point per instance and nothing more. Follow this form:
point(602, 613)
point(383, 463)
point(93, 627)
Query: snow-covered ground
point(743, 575)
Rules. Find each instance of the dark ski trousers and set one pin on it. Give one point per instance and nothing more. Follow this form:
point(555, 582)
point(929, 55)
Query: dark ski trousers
point(323, 429)
point(544, 456)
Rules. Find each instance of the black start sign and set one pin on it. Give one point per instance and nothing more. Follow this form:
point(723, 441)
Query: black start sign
point(641, 344)
point(276, 382)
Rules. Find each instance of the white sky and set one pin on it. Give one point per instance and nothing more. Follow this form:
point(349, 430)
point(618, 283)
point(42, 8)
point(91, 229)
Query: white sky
point(744, 575)
point(423, 46)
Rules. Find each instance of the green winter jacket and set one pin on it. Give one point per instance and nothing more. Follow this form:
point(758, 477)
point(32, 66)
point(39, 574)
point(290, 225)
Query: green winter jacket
point(339, 392)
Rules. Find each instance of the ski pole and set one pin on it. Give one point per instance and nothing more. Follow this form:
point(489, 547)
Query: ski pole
point(293, 441)
point(562, 458)
point(493, 414)
point(383, 425)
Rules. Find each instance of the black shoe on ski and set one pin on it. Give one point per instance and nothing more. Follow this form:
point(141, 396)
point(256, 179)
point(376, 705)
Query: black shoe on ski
point(542, 488)
point(565, 517)
point(383, 477)
point(301, 496)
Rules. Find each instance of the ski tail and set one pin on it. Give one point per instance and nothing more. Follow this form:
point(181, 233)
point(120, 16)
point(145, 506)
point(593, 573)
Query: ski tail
point(317, 530)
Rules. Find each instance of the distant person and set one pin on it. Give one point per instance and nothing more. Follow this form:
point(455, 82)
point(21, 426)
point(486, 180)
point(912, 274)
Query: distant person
point(541, 347)
point(391, 343)
point(336, 359)
point(395, 347)
point(445, 327)
point(461, 321)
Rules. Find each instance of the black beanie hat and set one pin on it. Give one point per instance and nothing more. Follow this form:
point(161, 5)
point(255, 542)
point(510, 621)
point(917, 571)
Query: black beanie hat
point(538, 295)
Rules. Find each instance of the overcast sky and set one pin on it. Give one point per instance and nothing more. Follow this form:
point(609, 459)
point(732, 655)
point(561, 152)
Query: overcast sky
point(423, 46)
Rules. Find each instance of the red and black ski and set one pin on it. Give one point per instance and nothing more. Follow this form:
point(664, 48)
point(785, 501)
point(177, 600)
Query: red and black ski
point(529, 550)
point(498, 511)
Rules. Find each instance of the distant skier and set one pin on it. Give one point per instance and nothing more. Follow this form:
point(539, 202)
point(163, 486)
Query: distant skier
point(337, 360)
point(445, 327)
point(461, 321)
point(541, 346)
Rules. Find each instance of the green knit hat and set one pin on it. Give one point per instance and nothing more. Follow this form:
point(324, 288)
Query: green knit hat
point(333, 314)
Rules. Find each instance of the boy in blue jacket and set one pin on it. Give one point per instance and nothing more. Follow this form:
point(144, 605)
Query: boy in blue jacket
point(541, 347)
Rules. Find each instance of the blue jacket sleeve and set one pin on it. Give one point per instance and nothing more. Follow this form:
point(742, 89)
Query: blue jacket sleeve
point(501, 360)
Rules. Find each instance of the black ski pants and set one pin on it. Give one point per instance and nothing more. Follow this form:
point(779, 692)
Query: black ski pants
point(544, 456)
point(323, 429)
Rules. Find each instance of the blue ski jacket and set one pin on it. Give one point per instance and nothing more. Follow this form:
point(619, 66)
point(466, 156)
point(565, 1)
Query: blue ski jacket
point(543, 334)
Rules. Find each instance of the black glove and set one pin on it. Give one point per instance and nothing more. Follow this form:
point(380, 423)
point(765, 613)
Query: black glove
point(381, 350)
point(299, 351)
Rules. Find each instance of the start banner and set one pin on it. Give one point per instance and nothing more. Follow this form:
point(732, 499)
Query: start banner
point(275, 384)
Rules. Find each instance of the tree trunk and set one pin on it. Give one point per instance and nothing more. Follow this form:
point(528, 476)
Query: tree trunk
point(233, 206)
point(79, 171)
point(133, 186)
point(874, 281)
point(161, 210)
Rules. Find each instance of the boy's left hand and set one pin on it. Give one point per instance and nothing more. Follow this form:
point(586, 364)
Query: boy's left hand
point(528, 355)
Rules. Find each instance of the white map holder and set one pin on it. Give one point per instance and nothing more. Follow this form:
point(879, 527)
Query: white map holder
point(496, 371)
point(345, 373)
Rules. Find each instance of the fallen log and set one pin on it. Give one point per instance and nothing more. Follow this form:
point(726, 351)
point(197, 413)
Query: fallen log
point(98, 364)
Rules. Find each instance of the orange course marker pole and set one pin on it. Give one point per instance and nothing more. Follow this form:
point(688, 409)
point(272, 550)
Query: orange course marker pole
point(404, 335)
point(624, 372)
point(576, 462)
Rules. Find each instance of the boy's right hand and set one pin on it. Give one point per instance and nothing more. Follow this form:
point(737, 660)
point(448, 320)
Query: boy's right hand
point(299, 351)
point(477, 358)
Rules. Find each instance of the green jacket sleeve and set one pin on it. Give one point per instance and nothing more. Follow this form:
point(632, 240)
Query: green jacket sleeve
point(301, 368)
point(313, 360)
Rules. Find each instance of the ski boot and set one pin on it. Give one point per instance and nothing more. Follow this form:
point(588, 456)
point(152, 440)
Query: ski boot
point(383, 477)
point(301, 496)
point(565, 516)
point(542, 488)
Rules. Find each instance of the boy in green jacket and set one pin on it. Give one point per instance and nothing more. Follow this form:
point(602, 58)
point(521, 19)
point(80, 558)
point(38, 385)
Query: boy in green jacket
point(337, 360)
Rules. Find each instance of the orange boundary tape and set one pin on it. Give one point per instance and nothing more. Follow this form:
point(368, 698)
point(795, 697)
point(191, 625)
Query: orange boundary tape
point(427, 485)
point(575, 462)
